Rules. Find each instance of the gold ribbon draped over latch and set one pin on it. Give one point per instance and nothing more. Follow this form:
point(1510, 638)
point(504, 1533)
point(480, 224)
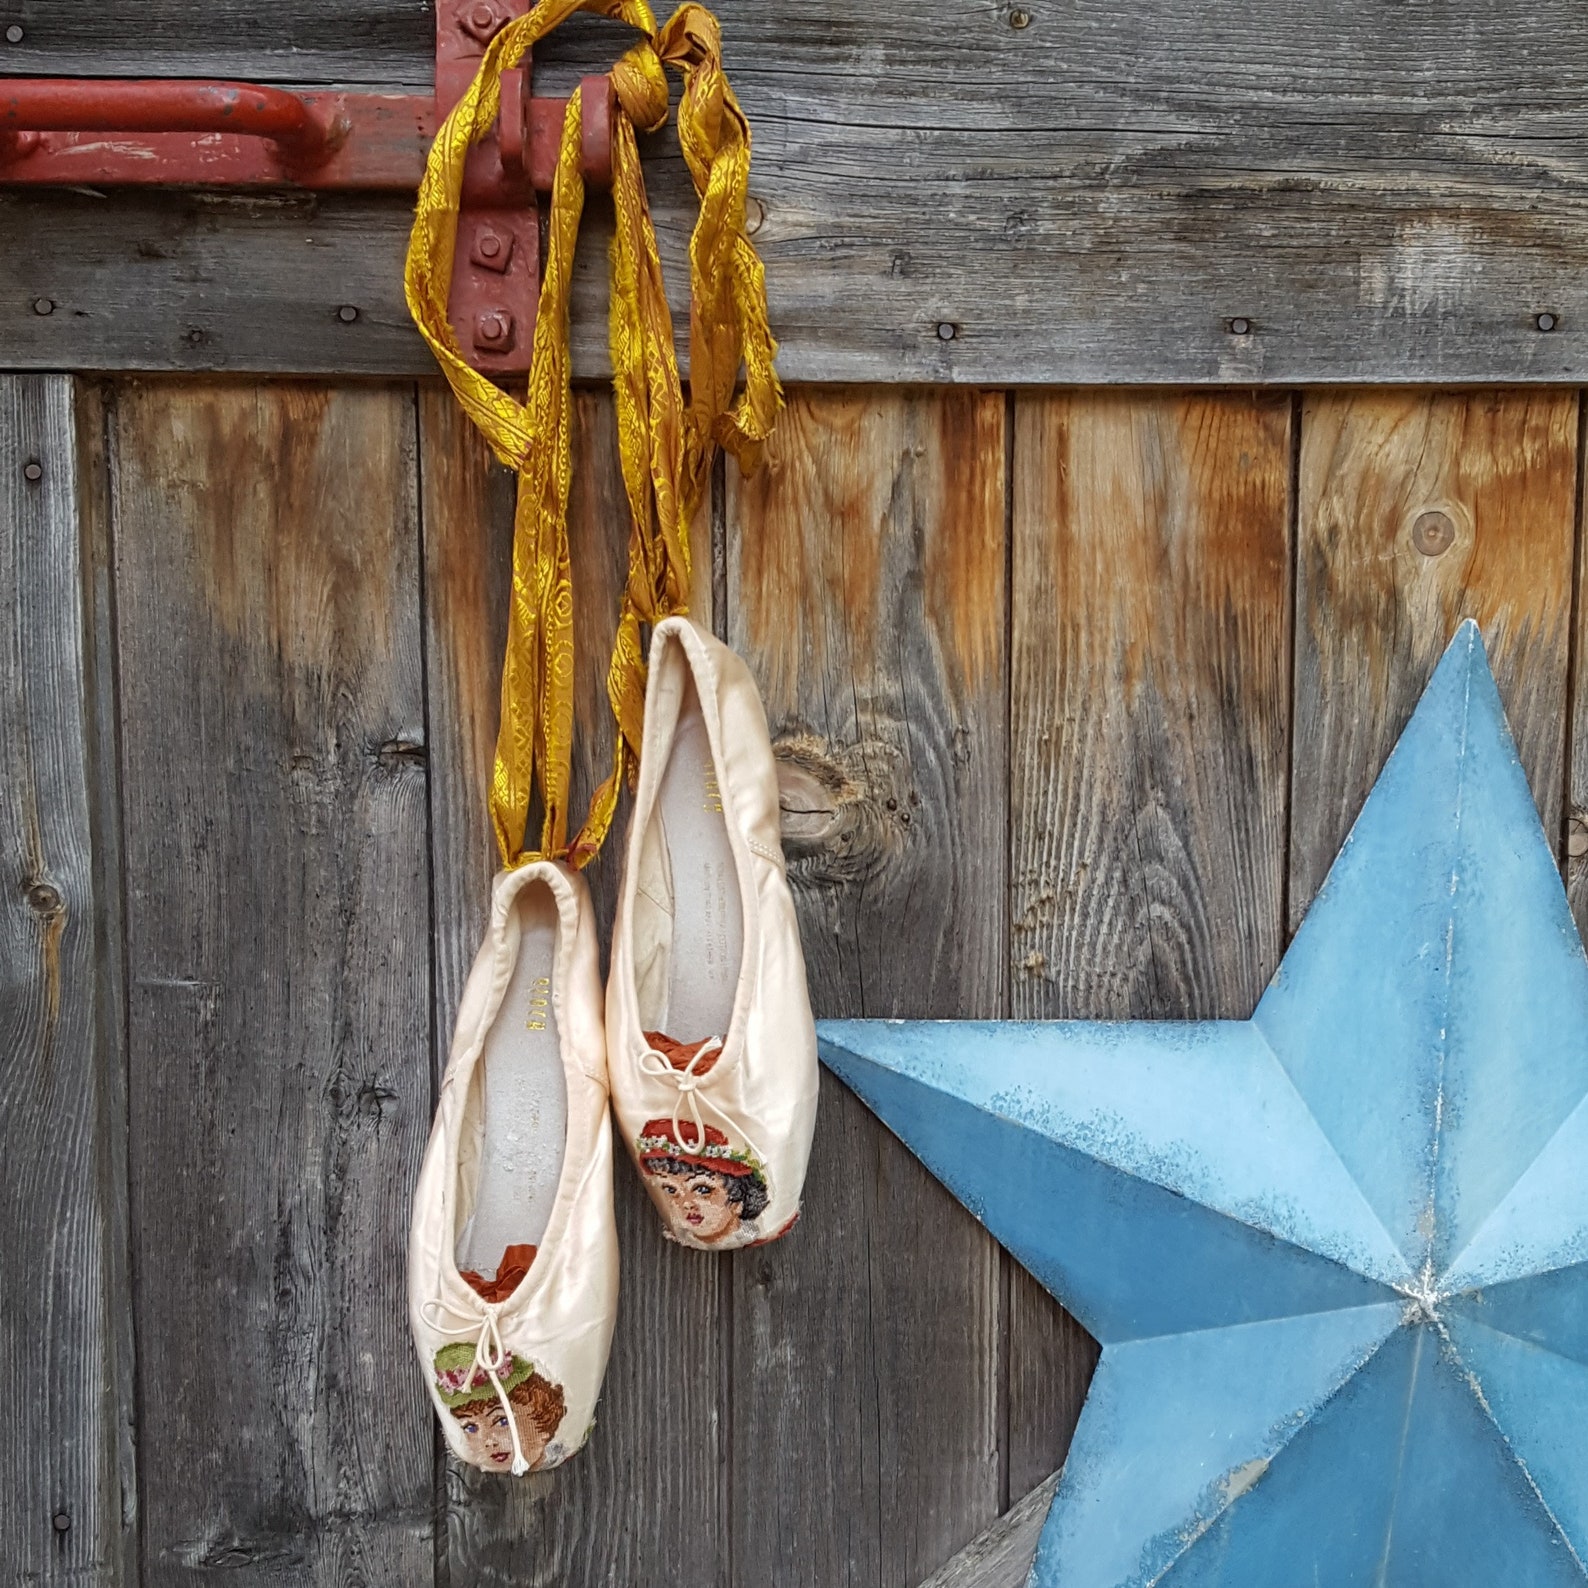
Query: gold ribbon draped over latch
point(666, 446)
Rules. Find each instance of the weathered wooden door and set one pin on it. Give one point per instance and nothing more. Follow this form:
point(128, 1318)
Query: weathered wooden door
point(1123, 504)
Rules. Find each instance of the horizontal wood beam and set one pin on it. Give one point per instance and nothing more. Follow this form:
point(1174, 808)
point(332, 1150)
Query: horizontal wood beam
point(1121, 193)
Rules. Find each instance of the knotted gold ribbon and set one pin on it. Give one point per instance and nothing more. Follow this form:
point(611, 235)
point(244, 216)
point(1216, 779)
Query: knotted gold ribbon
point(666, 448)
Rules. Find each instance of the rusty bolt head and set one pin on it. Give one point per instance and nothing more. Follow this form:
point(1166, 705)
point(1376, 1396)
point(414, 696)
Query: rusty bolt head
point(493, 331)
point(492, 250)
point(482, 21)
point(1433, 534)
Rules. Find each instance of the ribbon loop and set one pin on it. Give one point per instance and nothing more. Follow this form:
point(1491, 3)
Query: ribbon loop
point(666, 448)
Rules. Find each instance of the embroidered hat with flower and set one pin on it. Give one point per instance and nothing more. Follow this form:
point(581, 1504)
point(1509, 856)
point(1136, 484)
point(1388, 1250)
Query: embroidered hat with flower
point(460, 1379)
point(660, 1141)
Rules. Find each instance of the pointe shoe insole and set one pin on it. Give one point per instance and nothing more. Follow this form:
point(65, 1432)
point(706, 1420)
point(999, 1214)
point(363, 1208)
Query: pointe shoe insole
point(708, 920)
point(524, 1099)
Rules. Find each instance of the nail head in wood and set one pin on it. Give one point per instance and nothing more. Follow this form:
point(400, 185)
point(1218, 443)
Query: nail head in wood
point(1019, 20)
point(33, 471)
point(1577, 837)
point(1546, 322)
point(61, 1521)
point(43, 306)
point(1239, 326)
point(946, 330)
point(1434, 533)
point(14, 34)
point(347, 314)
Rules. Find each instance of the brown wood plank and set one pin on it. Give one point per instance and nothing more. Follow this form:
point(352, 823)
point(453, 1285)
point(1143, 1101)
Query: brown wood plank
point(1374, 613)
point(275, 804)
point(865, 586)
point(1150, 646)
point(66, 1481)
point(645, 1489)
point(922, 172)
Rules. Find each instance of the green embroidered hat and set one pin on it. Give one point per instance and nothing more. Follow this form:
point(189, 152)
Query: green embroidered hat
point(459, 1381)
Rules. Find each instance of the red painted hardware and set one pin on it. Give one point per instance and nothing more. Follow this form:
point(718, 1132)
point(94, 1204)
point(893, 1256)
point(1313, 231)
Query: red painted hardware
point(85, 132)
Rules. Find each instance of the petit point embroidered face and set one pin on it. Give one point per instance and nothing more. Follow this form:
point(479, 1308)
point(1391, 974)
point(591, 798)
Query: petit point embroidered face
point(467, 1392)
point(705, 1190)
point(697, 1201)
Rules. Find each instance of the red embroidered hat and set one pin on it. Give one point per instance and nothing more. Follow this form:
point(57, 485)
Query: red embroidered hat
point(657, 1140)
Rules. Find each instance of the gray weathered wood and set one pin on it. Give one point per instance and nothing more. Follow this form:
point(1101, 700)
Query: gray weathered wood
point(278, 944)
point(645, 1490)
point(1374, 613)
point(66, 1480)
point(865, 586)
point(1384, 193)
point(376, 41)
point(1001, 1557)
point(1150, 634)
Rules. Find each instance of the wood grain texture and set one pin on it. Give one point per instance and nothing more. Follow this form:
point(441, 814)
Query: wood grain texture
point(645, 1490)
point(1383, 193)
point(1150, 646)
point(66, 1481)
point(865, 587)
point(1374, 613)
point(278, 945)
point(375, 41)
point(1002, 1556)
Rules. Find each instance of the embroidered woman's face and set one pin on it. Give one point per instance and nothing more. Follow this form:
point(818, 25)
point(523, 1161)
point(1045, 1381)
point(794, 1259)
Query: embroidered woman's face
point(488, 1438)
point(697, 1204)
point(490, 1441)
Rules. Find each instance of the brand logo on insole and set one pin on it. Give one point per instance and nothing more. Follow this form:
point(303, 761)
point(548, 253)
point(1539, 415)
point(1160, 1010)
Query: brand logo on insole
point(713, 800)
point(539, 1004)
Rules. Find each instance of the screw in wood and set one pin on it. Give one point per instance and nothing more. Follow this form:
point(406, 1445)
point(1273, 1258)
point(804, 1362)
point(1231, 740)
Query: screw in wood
point(754, 216)
point(1019, 20)
point(1546, 322)
point(1577, 837)
point(347, 314)
point(1434, 533)
point(946, 330)
point(1239, 326)
point(14, 33)
point(43, 306)
point(33, 471)
point(61, 1521)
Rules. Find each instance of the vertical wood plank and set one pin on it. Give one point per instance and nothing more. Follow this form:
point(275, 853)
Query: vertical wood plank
point(644, 1492)
point(1374, 612)
point(275, 822)
point(65, 1371)
point(865, 586)
point(1151, 622)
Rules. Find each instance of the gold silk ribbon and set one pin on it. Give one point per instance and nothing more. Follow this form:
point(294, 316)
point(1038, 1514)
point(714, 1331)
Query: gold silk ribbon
point(666, 447)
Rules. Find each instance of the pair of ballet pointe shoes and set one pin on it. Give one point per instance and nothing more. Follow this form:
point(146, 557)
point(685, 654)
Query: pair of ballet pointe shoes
point(706, 1047)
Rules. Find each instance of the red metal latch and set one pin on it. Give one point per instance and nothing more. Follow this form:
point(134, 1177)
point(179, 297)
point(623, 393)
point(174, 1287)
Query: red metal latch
point(84, 132)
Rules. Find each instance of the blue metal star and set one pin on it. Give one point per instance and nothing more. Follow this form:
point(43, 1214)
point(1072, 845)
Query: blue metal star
point(1336, 1254)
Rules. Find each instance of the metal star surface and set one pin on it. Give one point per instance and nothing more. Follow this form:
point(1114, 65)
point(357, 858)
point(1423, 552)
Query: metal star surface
point(1336, 1254)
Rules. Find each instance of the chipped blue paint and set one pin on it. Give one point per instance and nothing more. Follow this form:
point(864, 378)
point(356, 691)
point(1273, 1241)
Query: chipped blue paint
point(1336, 1254)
